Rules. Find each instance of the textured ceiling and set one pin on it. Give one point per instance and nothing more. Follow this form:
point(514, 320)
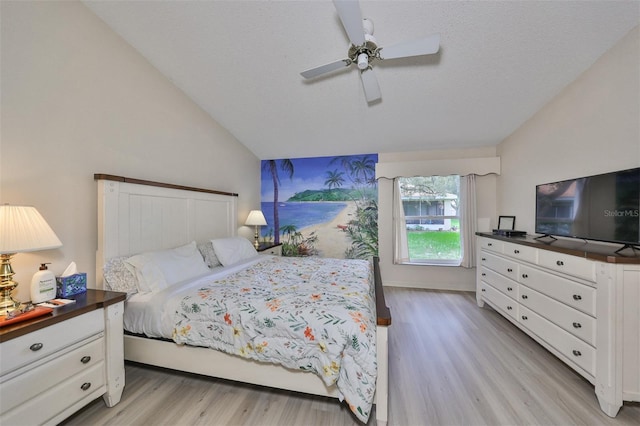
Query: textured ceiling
point(499, 62)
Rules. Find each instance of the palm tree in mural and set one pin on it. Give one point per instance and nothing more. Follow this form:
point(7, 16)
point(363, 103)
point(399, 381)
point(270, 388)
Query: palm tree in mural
point(334, 179)
point(271, 167)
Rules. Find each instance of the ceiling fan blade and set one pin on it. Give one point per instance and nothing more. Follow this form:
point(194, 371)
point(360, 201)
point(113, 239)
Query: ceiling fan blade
point(351, 17)
point(323, 69)
point(424, 46)
point(370, 85)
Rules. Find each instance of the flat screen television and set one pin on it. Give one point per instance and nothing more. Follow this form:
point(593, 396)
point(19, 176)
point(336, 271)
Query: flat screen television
point(603, 207)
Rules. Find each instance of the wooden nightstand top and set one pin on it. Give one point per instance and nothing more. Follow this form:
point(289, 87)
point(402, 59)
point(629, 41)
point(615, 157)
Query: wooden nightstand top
point(85, 302)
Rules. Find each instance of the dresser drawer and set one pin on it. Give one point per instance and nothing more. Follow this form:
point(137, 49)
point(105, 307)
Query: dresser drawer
point(491, 245)
point(500, 301)
point(573, 349)
point(518, 251)
point(500, 282)
point(575, 322)
point(571, 293)
point(571, 265)
point(36, 380)
point(501, 265)
point(26, 349)
point(79, 389)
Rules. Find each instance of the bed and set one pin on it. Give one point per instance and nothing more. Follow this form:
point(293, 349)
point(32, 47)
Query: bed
point(137, 216)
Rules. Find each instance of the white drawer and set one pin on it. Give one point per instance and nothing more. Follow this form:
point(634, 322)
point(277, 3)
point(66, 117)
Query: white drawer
point(500, 301)
point(500, 282)
point(275, 251)
point(575, 322)
point(518, 251)
point(576, 295)
point(28, 348)
point(573, 349)
point(34, 381)
point(79, 389)
point(491, 245)
point(571, 265)
point(501, 265)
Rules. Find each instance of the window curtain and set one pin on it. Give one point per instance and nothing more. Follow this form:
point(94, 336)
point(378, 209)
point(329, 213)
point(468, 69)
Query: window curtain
point(400, 245)
point(468, 218)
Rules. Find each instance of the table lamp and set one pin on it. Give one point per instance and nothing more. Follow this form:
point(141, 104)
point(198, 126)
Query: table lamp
point(256, 218)
point(22, 229)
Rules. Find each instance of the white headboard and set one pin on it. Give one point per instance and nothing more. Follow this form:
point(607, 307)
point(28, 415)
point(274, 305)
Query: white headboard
point(136, 215)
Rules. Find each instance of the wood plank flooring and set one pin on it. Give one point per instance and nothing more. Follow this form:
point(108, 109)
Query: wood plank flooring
point(451, 363)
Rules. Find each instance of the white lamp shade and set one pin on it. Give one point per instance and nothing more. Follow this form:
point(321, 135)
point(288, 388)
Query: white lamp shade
point(256, 218)
point(23, 229)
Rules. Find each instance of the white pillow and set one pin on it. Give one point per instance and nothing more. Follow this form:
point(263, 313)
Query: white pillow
point(160, 269)
point(233, 250)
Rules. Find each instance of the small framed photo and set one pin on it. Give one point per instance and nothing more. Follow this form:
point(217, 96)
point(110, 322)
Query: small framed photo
point(507, 222)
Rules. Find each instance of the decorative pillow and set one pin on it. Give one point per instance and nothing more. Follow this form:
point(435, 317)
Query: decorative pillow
point(117, 277)
point(233, 250)
point(160, 269)
point(208, 254)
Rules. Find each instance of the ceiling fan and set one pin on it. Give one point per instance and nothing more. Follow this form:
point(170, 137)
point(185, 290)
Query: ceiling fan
point(364, 50)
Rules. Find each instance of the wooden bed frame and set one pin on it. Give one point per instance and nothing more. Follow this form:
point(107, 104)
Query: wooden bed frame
point(137, 215)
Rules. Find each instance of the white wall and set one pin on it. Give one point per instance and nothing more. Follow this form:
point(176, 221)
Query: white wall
point(77, 100)
point(593, 126)
point(432, 277)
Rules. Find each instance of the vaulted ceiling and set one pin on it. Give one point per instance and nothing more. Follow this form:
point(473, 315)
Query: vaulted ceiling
point(240, 61)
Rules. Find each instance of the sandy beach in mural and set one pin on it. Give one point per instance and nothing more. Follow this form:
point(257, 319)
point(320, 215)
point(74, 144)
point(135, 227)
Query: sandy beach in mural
point(333, 241)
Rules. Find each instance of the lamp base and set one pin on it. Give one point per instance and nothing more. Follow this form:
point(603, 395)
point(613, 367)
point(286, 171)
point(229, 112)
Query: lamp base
point(7, 304)
point(256, 242)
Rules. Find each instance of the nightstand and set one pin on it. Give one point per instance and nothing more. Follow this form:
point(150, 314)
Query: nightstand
point(52, 366)
point(270, 248)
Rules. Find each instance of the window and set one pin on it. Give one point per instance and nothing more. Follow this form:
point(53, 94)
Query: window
point(431, 208)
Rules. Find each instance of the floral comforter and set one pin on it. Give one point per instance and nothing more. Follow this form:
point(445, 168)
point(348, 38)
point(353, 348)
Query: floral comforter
point(311, 314)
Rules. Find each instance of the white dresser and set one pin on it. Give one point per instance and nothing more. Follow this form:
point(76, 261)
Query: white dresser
point(54, 365)
point(580, 301)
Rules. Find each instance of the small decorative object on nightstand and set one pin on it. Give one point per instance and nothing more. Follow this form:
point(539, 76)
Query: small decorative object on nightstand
point(270, 248)
point(256, 218)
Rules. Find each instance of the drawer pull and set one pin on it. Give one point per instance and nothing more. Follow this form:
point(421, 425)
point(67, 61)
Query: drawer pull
point(509, 270)
point(577, 353)
point(524, 317)
point(85, 386)
point(85, 359)
point(559, 263)
point(509, 288)
point(484, 258)
point(483, 274)
point(525, 276)
point(490, 244)
point(36, 347)
point(516, 251)
point(524, 296)
point(577, 297)
point(577, 325)
point(509, 308)
point(484, 289)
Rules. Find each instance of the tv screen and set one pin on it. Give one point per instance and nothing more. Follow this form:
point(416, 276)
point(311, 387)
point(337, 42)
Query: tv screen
point(603, 207)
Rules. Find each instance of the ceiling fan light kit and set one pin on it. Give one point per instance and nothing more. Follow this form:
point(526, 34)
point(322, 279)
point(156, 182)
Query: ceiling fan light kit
point(364, 50)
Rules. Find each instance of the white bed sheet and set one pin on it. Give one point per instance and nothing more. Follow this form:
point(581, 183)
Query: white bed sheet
point(152, 314)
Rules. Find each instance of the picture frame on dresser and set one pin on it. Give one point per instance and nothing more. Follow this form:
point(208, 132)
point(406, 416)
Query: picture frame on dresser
point(507, 223)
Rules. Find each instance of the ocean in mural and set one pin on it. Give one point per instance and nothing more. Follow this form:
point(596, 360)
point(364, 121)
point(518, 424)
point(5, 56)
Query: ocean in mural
point(300, 214)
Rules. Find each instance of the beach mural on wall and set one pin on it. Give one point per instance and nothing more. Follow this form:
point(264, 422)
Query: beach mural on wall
point(324, 206)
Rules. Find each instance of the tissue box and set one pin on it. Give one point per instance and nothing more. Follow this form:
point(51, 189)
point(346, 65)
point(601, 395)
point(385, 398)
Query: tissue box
point(73, 284)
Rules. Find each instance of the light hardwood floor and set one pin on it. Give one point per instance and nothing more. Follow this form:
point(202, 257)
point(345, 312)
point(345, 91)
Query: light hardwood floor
point(451, 363)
